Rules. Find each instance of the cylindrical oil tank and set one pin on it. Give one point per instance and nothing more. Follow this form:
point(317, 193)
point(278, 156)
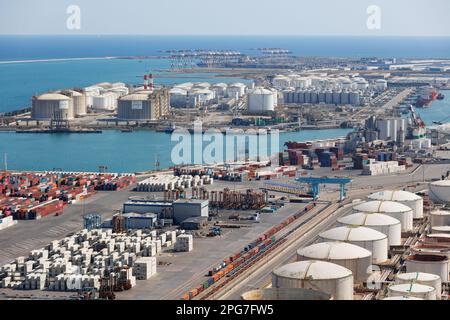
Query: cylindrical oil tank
point(300, 96)
point(336, 97)
point(377, 221)
point(345, 97)
point(384, 128)
point(440, 218)
point(370, 239)
point(412, 290)
point(260, 100)
point(318, 275)
point(357, 259)
point(307, 95)
point(428, 279)
point(431, 249)
point(441, 229)
point(79, 101)
point(440, 191)
point(402, 298)
point(409, 199)
point(52, 105)
point(314, 96)
point(355, 98)
point(435, 264)
point(321, 97)
point(329, 97)
point(396, 210)
point(285, 294)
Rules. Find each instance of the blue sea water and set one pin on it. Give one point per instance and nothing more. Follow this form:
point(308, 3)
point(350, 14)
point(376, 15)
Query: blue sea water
point(136, 151)
point(120, 152)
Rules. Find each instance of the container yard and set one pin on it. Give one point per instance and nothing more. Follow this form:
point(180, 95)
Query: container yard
point(101, 260)
point(30, 196)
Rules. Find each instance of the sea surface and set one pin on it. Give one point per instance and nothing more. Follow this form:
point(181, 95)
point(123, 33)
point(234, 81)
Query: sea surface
point(137, 151)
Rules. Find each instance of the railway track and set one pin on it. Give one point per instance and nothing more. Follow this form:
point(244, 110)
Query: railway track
point(266, 262)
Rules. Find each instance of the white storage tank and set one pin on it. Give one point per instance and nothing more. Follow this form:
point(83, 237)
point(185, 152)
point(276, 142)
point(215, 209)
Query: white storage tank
point(412, 290)
point(441, 229)
point(371, 239)
point(396, 210)
point(435, 264)
point(409, 199)
point(402, 298)
point(380, 85)
point(285, 294)
point(431, 249)
point(440, 218)
point(440, 191)
point(318, 275)
point(260, 100)
point(178, 97)
point(391, 227)
point(236, 89)
point(357, 259)
point(220, 89)
point(428, 279)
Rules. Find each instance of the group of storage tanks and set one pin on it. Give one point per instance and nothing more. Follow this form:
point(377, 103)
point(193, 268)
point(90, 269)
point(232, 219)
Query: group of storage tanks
point(348, 254)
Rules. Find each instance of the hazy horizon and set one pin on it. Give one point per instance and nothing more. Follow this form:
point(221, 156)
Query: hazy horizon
point(400, 18)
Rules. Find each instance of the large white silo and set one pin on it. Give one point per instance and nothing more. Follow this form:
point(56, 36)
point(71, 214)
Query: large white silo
point(370, 239)
point(407, 198)
point(396, 210)
point(357, 259)
point(318, 275)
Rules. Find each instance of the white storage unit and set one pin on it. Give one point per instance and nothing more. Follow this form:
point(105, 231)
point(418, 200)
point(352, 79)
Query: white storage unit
point(440, 218)
point(396, 210)
point(434, 264)
point(409, 199)
point(440, 191)
point(357, 259)
point(391, 227)
point(372, 240)
point(428, 279)
point(261, 100)
point(412, 290)
point(318, 275)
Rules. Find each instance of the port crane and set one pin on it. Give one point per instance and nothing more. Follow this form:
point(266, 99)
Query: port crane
point(418, 129)
point(315, 182)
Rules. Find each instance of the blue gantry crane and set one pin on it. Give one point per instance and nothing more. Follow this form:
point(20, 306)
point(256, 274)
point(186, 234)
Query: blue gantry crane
point(315, 182)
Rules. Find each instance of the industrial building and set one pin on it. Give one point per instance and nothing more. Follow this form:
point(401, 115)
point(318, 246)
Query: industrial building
point(52, 105)
point(179, 210)
point(188, 208)
point(143, 106)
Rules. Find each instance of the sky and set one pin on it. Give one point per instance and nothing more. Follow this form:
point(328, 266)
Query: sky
point(227, 17)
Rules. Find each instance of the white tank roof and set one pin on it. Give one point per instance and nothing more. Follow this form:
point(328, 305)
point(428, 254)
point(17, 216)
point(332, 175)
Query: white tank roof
point(440, 213)
point(350, 233)
point(53, 96)
point(334, 251)
point(402, 298)
point(368, 219)
point(420, 276)
point(312, 270)
point(260, 90)
point(415, 287)
point(220, 85)
point(441, 228)
point(237, 84)
point(177, 90)
point(394, 195)
point(439, 235)
point(381, 207)
point(135, 97)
